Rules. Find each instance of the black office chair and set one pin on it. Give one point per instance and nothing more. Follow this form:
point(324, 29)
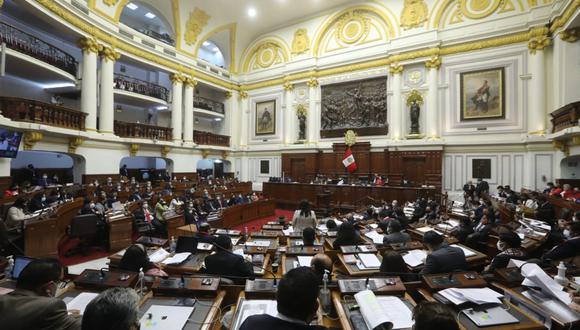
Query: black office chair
point(186, 244)
point(85, 228)
point(10, 241)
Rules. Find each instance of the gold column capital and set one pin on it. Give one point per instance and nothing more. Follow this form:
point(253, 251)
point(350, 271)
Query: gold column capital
point(133, 149)
point(313, 83)
point(90, 45)
point(228, 94)
point(74, 143)
point(288, 86)
point(570, 35)
point(433, 63)
point(191, 82)
point(538, 43)
point(31, 138)
point(110, 53)
point(177, 78)
point(243, 94)
point(396, 68)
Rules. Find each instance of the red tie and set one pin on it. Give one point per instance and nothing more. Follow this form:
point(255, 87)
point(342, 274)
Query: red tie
point(147, 216)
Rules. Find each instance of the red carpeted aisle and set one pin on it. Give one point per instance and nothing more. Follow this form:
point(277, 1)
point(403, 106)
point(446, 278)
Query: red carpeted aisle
point(101, 253)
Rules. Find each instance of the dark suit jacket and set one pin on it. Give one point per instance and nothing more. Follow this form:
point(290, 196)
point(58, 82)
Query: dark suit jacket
point(567, 249)
point(268, 322)
point(396, 238)
point(22, 309)
point(444, 260)
point(546, 212)
point(226, 264)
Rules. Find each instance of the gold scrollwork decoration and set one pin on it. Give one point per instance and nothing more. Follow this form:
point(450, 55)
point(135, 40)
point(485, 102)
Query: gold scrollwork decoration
point(301, 42)
point(288, 86)
point(243, 95)
point(30, 139)
point(191, 82)
point(313, 82)
point(350, 138)
point(133, 149)
point(301, 110)
point(267, 54)
point(570, 35)
point(433, 63)
point(477, 9)
point(414, 13)
point(352, 26)
point(228, 94)
point(165, 150)
point(204, 153)
point(539, 43)
point(177, 78)
point(74, 143)
point(414, 96)
point(110, 3)
point(110, 54)
point(90, 45)
point(195, 23)
point(396, 68)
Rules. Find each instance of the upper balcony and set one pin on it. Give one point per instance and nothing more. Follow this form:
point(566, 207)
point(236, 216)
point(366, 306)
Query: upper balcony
point(22, 43)
point(142, 131)
point(205, 104)
point(138, 92)
point(206, 138)
point(565, 117)
point(32, 111)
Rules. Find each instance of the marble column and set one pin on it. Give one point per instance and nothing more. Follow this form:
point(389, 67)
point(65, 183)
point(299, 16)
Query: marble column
point(396, 125)
point(244, 119)
point(537, 102)
point(188, 109)
point(177, 80)
point(313, 114)
point(289, 114)
point(107, 96)
point(432, 112)
point(91, 49)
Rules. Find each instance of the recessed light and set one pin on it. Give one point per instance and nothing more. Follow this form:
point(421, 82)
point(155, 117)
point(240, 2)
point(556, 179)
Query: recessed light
point(206, 43)
point(162, 107)
point(150, 15)
point(218, 119)
point(215, 49)
point(252, 12)
point(132, 6)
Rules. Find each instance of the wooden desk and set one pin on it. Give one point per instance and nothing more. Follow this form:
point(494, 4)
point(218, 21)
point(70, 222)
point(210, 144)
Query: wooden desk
point(438, 282)
point(172, 225)
point(239, 214)
point(173, 286)
point(120, 232)
point(345, 196)
point(380, 286)
point(304, 250)
point(193, 264)
point(94, 279)
point(353, 269)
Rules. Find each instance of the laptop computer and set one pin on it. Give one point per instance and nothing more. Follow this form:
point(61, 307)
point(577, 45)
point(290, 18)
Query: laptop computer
point(485, 317)
point(19, 263)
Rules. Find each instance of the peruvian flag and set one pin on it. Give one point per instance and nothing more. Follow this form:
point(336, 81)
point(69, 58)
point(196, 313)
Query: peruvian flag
point(348, 161)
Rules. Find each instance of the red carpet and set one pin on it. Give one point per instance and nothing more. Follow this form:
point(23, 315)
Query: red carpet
point(96, 253)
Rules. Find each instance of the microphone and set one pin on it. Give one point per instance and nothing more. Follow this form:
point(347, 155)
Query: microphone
point(367, 283)
point(182, 283)
point(102, 273)
point(141, 277)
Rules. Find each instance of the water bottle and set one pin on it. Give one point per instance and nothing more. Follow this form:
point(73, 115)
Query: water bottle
point(246, 232)
point(561, 277)
point(325, 295)
point(9, 267)
point(172, 245)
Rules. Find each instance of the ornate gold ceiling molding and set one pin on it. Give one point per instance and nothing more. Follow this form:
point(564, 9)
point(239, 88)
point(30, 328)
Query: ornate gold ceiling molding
point(414, 14)
point(301, 42)
point(570, 35)
point(566, 16)
point(266, 53)
point(110, 54)
point(194, 26)
point(396, 68)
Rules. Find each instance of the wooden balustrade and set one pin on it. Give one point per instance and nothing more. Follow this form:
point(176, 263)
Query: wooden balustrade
point(211, 139)
point(142, 87)
point(32, 111)
point(209, 105)
point(565, 117)
point(143, 131)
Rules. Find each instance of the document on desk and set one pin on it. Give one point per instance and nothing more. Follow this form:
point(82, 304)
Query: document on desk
point(304, 261)
point(415, 258)
point(159, 255)
point(376, 237)
point(160, 317)
point(369, 260)
point(255, 307)
point(385, 309)
point(553, 306)
point(478, 295)
point(468, 253)
point(536, 277)
point(81, 301)
point(177, 258)
point(288, 231)
point(258, 243)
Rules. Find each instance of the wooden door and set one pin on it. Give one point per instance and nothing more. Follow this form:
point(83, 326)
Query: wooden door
point(414, 169)
point(297, 166)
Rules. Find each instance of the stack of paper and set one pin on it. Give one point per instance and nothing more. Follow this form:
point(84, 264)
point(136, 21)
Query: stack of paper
point(369, 261)
point(159, 255)
point(165, 317)
point(468, 253)
point(383, 310)
point(255, 307)
point(376, 237)
point(415, 258)
point(288, 231)
point(536, 277)
point(205, 246)
point(478, 296)
point(258, 243)
point(81, 301)
point(304, 261)
point(177, 258)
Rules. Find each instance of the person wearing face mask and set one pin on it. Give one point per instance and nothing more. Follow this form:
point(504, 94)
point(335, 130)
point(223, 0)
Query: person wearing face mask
point(14, 190)
point(394, 234)
point(567, 248)
point(38, 202)
point(32, 305)
point(509, 245)
point(190, 214)
point(43, 181)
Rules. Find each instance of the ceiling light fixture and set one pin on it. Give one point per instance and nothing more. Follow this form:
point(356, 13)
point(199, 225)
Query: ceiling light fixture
point(150, 15)
point(252, 12)
point(206, 43)
point(218, 119)
point(215, 49)
point(132, 6)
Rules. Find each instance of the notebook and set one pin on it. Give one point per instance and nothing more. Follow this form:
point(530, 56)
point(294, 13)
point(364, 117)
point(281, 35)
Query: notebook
point(490, 316)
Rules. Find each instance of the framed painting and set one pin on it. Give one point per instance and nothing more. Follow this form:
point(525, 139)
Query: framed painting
point(265, 118)
point(482, 94)
point(481, 168)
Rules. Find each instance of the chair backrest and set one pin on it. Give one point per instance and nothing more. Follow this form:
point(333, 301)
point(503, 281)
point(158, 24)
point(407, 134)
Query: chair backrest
point(84, 225)
point(186, 244)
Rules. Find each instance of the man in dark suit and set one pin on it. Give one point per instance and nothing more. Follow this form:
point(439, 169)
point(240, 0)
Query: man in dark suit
point(482, 187)
point(114, 308)
point(32, 305)
point(442, 257)
point(478, 239)
point(394, 234)
point(225, 263)
point(297, 303)
point(203, 233)
point(566, 249)
point(135, 196)
point(124, 172)
point(545, 211)
point(468, 189)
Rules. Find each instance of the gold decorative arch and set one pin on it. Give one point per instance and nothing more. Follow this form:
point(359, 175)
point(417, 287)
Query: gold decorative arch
point(458, 11)
point(266, 53)
point(232, 27)
point(352, 25)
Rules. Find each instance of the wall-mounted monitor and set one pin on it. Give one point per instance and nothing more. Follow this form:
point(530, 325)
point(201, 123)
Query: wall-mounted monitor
point(9, 143)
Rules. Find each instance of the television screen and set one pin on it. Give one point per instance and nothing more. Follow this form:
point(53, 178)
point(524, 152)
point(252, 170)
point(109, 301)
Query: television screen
point(9, 142)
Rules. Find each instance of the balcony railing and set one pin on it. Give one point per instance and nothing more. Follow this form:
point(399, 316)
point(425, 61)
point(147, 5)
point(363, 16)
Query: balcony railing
point(142, 87)
point(207, 104)
point(32, 111)
point(25, 43)
point(163, 37)
point(211, 139)
point(565, 117)
point(143, 131)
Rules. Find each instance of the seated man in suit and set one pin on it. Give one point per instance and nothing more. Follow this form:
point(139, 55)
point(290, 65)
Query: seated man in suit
point(442, 258)
point(225, 263)
point(319, 264)
point(32, 305)
point(203, 233)
point(394, 234)
point(478, 239)
point(568, 248)
point(297, 303)
point(135, 196)
point(308, 236)
point(114, 308)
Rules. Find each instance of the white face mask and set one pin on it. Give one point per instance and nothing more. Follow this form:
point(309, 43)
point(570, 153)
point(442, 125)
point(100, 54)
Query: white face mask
point(500, 246)
point(43, 199)
point(566, 233)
